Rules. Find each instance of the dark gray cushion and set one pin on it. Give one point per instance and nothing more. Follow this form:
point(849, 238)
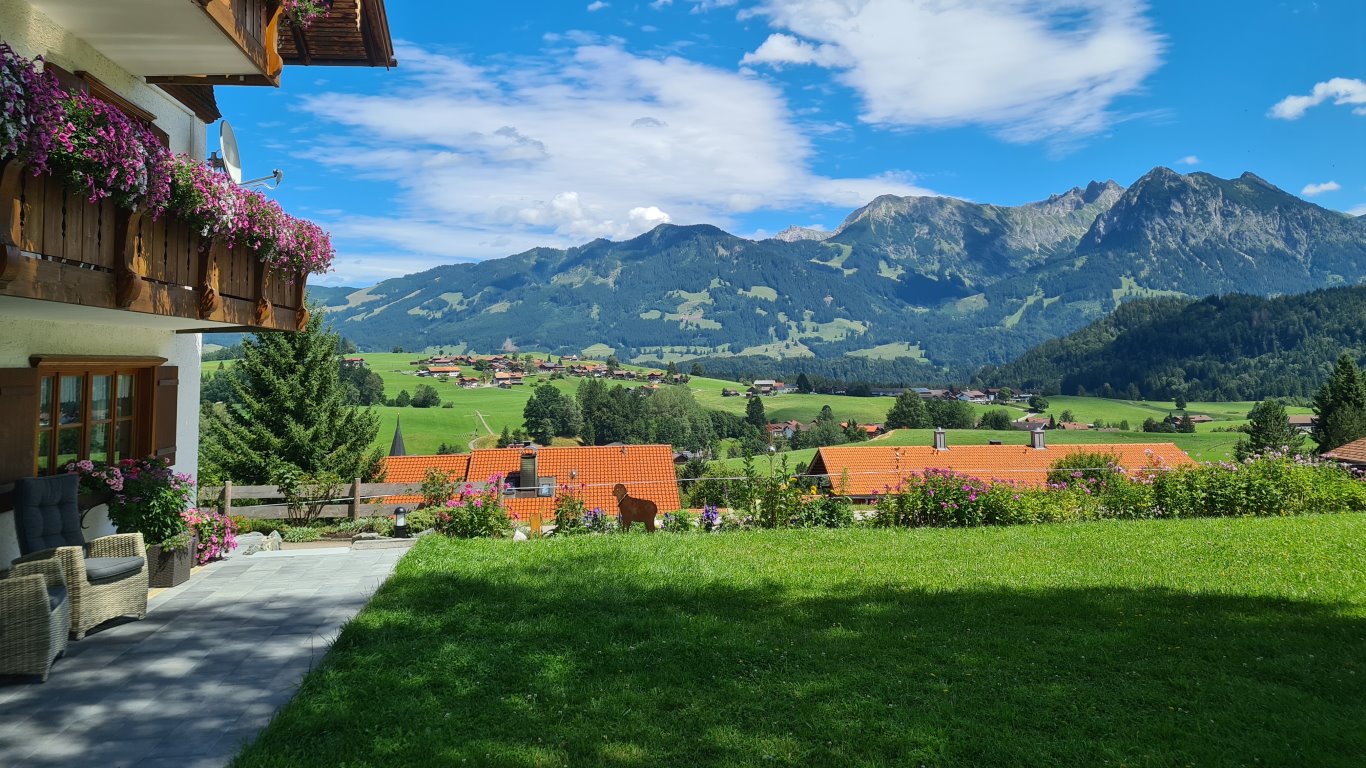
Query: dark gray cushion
point(56, 595)
point(46, 513)
point(97, 568)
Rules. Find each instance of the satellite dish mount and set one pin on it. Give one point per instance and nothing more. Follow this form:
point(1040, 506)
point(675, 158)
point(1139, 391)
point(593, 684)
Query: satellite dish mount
point(230, 162)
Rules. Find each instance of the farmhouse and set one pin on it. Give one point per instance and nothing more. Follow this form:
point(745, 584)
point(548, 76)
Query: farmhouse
point(101, 305)
point(1352, 454)
point(865, 471)
point(538, 475)
point(1304, 422)
point(767, 387)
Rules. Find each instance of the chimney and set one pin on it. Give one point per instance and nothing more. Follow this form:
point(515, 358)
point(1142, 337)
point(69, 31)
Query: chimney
point(1036, 439)
point(528, 477)
point(941, 442)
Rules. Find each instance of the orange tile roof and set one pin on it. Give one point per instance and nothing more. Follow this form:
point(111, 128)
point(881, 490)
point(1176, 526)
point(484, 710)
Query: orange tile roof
point(1352, 453)
point(647, 471)
point(872, 468)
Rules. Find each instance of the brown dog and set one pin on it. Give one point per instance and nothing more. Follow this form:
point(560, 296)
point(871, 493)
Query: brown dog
point(635, 510)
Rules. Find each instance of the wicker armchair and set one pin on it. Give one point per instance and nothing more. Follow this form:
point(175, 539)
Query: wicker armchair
point(106, 578)
point(35, 617)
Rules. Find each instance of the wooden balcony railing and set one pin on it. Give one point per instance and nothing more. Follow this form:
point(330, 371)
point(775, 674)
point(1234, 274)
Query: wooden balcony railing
point(58, 246)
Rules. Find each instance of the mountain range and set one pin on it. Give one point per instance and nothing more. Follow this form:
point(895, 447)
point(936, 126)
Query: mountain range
point(954, 283)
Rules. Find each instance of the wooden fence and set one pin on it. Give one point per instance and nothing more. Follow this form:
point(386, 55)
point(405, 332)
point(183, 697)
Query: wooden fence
point(354, 499)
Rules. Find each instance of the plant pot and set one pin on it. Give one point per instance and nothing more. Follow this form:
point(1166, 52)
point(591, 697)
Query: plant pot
point(169, 567)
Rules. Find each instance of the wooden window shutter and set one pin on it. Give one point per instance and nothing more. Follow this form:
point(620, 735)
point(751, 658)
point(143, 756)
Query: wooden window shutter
point(19, 414)
point(165, 388)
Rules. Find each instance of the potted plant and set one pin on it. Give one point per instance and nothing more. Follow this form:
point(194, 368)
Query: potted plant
point(150, 498)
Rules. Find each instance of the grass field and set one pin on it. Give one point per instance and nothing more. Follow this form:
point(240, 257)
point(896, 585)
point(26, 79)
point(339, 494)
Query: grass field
point(425, 429)
point(1217, 642)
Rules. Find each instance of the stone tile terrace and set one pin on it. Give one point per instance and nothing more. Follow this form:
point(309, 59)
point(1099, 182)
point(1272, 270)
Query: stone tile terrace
point(201, 675)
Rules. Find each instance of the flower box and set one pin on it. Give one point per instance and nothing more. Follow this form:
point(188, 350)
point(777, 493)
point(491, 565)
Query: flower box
point(169, 567)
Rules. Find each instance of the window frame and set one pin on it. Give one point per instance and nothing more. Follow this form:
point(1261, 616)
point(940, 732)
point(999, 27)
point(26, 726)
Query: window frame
point(53, 369)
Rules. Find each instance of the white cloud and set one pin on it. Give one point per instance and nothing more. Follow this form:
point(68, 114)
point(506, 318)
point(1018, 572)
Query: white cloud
point(1030, 71)
point(1189, 160)
point(1310, 190)
point(596, 5)
point(781, 49)
point(557, 150)
point(1342, 90)
point(1357, 210)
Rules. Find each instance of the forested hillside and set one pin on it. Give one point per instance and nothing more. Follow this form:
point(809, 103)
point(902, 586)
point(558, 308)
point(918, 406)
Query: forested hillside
point(1233, 347)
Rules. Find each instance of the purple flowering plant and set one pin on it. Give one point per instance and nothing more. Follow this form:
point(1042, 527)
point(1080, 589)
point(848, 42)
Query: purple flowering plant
point(302, 13)
point(475, 512)
point(93, 147)
point(144, 495)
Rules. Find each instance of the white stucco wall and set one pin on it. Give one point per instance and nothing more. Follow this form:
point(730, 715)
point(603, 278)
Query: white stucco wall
point(24, 334)
point(30, 33)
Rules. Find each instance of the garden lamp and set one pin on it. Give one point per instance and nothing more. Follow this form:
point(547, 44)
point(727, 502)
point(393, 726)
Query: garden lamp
point(401, 523)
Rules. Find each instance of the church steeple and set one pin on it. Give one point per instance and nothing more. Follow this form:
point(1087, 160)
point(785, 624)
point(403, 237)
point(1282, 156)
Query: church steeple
point(397, 448)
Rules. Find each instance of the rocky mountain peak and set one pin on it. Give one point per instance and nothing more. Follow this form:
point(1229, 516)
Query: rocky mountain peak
point(794, 233)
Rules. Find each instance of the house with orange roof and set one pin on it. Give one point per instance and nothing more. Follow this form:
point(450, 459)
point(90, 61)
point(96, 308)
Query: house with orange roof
point(862, 472)
point(1353, 453)
point(538, 475)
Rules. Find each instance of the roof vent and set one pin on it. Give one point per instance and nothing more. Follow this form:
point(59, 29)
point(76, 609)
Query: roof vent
point(941, 441)
point(1036, 439)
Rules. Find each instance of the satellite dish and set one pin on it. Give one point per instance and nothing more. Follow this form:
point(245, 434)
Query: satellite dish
point(232, 160)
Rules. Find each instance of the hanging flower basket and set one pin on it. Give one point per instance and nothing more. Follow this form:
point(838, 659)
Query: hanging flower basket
point(94, 148)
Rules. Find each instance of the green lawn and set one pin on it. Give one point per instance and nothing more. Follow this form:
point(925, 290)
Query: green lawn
point(1163, 643)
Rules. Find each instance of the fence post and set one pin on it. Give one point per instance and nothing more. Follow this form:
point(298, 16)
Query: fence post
point(225, 506)
point(355, 498)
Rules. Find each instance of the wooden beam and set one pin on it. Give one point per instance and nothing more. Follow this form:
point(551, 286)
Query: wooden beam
point(94, 361)
point(11, 181)
point(213, 80)
point(48, 280)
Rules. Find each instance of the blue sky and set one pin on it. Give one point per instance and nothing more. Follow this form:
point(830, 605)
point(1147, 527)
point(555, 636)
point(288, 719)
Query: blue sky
point(508, 126)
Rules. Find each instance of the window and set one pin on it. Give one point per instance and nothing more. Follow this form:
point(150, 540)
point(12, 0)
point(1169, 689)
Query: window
point(90, 414)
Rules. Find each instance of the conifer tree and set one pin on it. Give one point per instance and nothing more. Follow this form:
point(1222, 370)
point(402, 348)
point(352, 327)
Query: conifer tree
point(289, 413)
point(908, 412)
point(1268, 429)
point(803, 383)
point(754, 412)
point(1341, 406)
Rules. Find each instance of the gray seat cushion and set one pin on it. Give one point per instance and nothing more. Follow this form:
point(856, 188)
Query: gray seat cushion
point(46, 513)
point(56, 595)
point(97, 568)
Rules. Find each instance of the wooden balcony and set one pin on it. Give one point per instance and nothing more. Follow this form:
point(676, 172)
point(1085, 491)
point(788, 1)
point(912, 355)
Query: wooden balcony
point(226, 42)
point(59, 247)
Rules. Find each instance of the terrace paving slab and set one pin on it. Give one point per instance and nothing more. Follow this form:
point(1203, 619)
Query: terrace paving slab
point(201, 675)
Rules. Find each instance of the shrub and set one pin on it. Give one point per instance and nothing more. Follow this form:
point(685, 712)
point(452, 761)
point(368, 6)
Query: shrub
point(678, 522)
point(569, 515)
point(439, 487)
point(475, 512)
point(1085, 468)
point(384, 526)
point(301, 533)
